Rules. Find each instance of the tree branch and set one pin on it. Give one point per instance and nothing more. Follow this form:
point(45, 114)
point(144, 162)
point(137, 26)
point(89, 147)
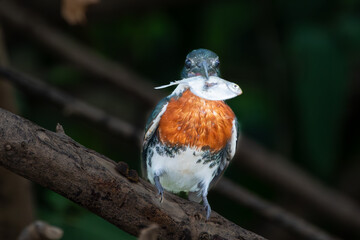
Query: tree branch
point(57, 162)
point(226, 187)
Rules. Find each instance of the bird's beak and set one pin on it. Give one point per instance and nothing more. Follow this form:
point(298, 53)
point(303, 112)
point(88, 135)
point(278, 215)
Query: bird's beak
point(204, 70)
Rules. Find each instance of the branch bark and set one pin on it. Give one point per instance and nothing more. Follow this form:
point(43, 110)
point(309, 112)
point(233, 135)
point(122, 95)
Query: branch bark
point(88, 178)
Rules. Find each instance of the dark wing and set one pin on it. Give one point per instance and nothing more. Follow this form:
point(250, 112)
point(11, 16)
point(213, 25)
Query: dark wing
point(150, 128)
point(228, 153)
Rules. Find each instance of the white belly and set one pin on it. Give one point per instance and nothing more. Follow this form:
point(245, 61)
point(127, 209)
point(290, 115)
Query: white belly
point(185, 171)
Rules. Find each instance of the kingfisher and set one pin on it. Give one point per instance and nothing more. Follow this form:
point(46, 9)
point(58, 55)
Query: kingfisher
point(191, 135)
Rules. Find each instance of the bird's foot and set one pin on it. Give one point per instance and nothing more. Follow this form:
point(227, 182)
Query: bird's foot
point(159, 188)
point(161, 195)
point(207, 207)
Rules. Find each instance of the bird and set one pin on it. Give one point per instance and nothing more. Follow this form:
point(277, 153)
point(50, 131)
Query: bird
point(191, 135)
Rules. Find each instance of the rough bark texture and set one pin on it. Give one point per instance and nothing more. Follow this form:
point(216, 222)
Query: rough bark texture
point(59, 163)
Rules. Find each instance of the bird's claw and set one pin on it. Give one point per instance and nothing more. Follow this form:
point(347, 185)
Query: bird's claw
point(161, 195)
point(208, 211)
point(159, 188)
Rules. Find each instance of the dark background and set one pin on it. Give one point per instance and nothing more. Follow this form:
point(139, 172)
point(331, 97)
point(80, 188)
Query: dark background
point(297, 63)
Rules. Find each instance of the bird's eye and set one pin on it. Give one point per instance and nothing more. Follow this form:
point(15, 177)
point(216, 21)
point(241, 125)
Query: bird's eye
point(216, 62)
point(188, 63)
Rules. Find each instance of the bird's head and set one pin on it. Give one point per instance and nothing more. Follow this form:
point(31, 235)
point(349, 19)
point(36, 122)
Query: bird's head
point(201, 62)
point(201, 75)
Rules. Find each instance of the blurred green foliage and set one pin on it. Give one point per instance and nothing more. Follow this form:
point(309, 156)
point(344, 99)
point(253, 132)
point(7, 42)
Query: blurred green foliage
point(296, 61)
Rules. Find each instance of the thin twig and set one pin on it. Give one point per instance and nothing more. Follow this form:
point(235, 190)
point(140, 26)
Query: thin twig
point(31, 85)
point(57, 162)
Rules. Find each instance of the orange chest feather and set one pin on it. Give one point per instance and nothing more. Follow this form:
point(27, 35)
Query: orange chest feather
point(196, 122)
